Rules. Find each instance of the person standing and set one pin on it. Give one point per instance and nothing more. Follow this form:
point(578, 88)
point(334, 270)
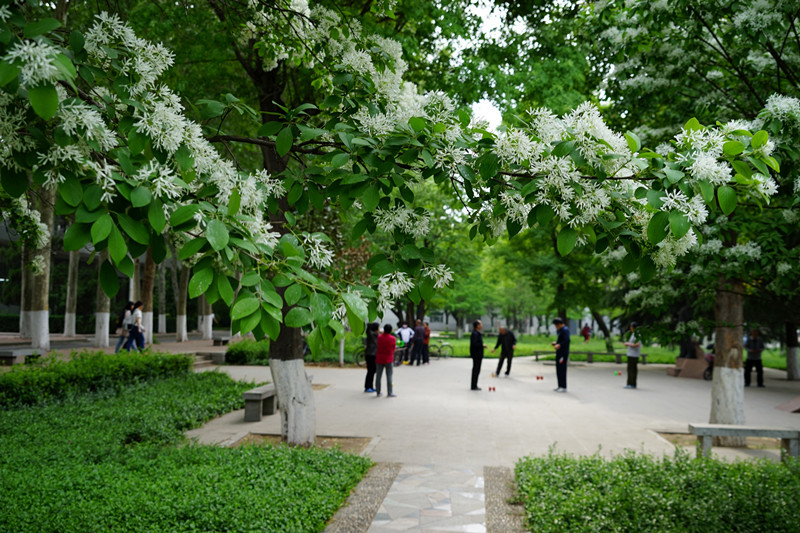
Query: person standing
point(754, 346)
point(476, 348)
point(136, 330)
point(122, 325)
point(384, 359)
point(634, 352)
point(370, 350)
point(406, 334)
point(562, 353)
point(586, 332)
point(426, 341)
point(419, 337)
point(507, 342)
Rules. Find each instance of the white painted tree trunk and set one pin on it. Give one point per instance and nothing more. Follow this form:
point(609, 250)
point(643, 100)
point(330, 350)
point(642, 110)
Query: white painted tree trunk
point(72, 293)
point(101, 324)
point(793, 363)
point(39, 328)
point(162, 298)
point(296, 401)
point(341, 351)
point(207, 327)
point(162, 323)
point(181, 335)
point(69, 324)
point(147, 322)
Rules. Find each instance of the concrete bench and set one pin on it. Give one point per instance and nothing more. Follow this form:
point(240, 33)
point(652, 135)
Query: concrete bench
point(590, 355)
point(221, 341)
point(13, 356)
point(790, 438)
point(259, 401)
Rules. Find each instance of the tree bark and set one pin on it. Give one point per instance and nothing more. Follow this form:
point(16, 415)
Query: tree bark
point(38, 291)
point(136, 282)
point(601, 323)
point(792, 359)
point(148, 284)
point(162, 297)
point(102, 314)
point(207, 318)
point(181, 334)
point(72, 293)
point(727, 389)
point(26, 275)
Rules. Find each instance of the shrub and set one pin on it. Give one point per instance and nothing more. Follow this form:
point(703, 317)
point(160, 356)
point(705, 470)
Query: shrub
point(248, 352)
point(51, 379)
point(634, 492)
point(107, 461)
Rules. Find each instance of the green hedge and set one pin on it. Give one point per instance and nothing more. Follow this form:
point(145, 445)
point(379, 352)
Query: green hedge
point(248, 352)
point(108, 462)
point(635, 492)
point(52, 379)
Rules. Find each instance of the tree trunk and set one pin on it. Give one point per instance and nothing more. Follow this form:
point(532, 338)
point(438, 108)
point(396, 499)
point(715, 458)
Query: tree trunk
point(162, 297)
point(459, 326)
point(102, 314)
point(727, 389)
point(792, 360)
point(37, 308)
point(601, 323)
point(136, 282)
point(207, 320)
point(26, 274)
point(293, 388)
point(181, 334)
point(72, 293)
point(148, 284)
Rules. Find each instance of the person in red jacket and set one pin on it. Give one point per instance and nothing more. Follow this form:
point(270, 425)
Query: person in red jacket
point(384, 359)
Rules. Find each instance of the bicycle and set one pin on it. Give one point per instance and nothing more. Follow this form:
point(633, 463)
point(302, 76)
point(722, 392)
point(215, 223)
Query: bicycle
point(441, 349)
point(358, 357)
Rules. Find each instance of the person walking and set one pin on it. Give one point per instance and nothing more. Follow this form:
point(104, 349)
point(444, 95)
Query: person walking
point(405, 334)
point(370, 350)
point(562, 353)
point(418, 338)
point(754, 346)
point(634, 352)
point(426, 341)
point(476, 348)
point(136, 330)
point(122, 325)
point(507, 342)
point(384, 359)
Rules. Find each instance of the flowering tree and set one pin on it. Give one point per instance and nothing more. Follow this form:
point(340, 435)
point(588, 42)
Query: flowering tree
point(85, 116)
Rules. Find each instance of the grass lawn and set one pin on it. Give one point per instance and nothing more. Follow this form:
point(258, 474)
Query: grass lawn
point(117, 461)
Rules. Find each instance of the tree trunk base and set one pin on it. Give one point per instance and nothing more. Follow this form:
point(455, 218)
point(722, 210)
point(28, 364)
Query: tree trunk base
point(727, 403)
point(162, 323)
point(147, 322)
point(207, 327)
point(38, 328)
point(69, 324)
point(296, 401)
point(181, 334)
point(793, 363)
point(101, 322)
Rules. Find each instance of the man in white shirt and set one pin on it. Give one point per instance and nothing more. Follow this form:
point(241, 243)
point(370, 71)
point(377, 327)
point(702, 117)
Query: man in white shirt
point(405, 334)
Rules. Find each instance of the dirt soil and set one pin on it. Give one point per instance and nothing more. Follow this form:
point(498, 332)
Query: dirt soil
point(755, 443)
point(354, 445)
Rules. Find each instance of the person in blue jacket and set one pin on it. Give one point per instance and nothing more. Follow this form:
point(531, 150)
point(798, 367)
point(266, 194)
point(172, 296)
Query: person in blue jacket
point(476, 348)
point(562, 353)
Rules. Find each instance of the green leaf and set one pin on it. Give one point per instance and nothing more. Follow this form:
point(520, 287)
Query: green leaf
point(250, 279)
point(155, 214)
point(135, 229)
point(544, 214)
point(409, 251)
point(183, 156)
point(76, 41)
point(217, 234)
point(71, 191)
point(418, 124)
point(44, 100)
point(109, 280)
point(426, 288)
point(733, 148)
point(65, 66)
point(234, 202)
point(674, 176)
point(101, 228)
point(183, 214)
point(340, 160)
point(647, 269)
point(293, 294)
point(77, 236)
point(244, 306)
point(40, 27)
point(759, 139)
point(678, 224)
point(634, 142)
point(566, 241)
point(772, 163)
point(727, 199)
point(657, 228)
point(248, 323)
point(693, 125)
point(136, 141)
point(742, 168)
point(8, 72)
point(297, 317)
point(191, 248)
point(489, 165)
point(14, 183)
point(117, 248)
point(629, 263)
point(200, 282)
point(563, 148)
point(141, 196)
point(321, 308)
point(707, 190)
point(126, 266)
point(357, 311)
point(225, 289)
point(283, 142)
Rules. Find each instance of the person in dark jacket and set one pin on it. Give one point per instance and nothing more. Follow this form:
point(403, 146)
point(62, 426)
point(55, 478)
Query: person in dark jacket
point(507, 342)
point(418, 350)
point(476, 348)
point(370, 349)
point(562, 353)
point(754, 346)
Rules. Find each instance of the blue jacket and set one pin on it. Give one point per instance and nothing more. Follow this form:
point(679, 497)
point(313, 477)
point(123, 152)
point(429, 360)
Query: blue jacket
point(563, 340)
point(476, 345)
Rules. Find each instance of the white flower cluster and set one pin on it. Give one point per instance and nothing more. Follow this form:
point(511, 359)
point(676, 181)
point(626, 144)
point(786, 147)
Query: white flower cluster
point(691, 326)
point(694, 209)
point(30, 226)
point(611, 257)
point(36, 61)
point(13, 136)
point(514, 147)
point(746, 251)
point(440, 274)
point(670, 249)
point(162, 120)
point(403, 218)
point(517, 208)
point(783, 268)
point(160, 179)
point(784, 108)
point(765, 184)
point(319, 255)
point(392, 286)
point(82, 119)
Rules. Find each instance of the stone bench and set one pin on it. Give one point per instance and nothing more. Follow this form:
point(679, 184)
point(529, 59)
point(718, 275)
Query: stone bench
point(590, 355)
point(790, 438)
point(13, 356)
point(259, 401)
point(221, 341)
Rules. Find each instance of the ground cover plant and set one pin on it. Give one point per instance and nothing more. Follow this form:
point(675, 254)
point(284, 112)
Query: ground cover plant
point(635, 492)
point(116, 460)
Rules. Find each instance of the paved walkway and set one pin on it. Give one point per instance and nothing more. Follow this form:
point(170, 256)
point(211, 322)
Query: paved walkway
point(444, 435)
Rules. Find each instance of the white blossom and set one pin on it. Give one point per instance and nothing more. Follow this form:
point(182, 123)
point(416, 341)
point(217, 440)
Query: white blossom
point(440, 274)
point(319, 255)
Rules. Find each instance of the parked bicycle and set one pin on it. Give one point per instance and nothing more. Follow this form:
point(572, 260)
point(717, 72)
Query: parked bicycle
point(441, 349)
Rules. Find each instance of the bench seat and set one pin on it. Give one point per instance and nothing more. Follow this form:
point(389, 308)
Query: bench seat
point(12, 356)
point(259, 401)
point(790, 438)
point(221, 341)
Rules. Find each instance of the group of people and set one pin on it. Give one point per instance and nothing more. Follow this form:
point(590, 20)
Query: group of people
point(415, 343)
point(129, 327)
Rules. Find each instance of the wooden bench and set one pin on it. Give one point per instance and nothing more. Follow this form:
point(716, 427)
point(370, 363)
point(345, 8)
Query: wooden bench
point(221, 341)
point(790, 438)
point(259, 401)
point(590, 355)
point(13, 356)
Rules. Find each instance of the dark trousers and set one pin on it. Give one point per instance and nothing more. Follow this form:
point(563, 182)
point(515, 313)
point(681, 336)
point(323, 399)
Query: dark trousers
point(389, 370)
point(476, 370)
point(416, 353)
point(748, 367)
point(368, 383)
point(500, 364)
point(426, 354)
point(561, 370)
point(137, 337)
point(633, 370)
